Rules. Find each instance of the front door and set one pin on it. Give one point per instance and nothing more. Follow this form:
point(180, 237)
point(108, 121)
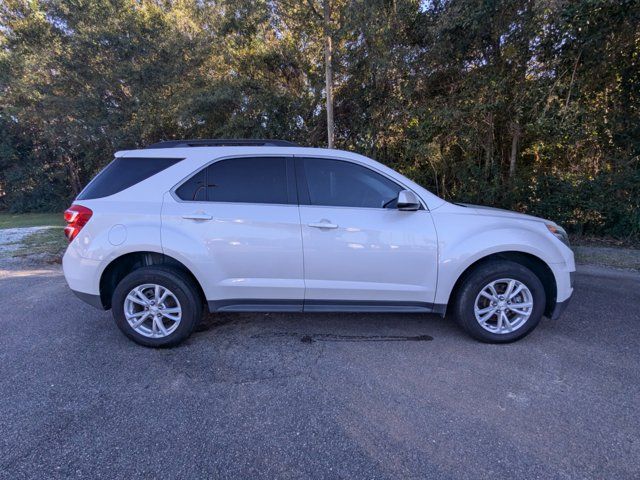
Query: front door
point(360, 252)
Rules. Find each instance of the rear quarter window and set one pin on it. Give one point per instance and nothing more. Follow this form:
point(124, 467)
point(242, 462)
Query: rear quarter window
point(122, 173)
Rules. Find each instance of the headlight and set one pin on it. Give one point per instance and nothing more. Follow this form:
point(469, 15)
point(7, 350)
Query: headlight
point(559, 232)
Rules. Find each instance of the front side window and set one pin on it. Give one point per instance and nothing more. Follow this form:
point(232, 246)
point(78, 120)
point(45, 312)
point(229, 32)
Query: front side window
point(344, 184)
point(239, 180)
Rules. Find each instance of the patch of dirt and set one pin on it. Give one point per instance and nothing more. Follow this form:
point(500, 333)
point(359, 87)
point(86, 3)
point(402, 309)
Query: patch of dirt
point(11, 238)
point(14, 241)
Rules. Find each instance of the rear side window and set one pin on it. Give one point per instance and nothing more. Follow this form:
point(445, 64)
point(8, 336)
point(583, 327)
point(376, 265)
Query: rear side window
point(123, 173)
point(239, 180)
point(194, 189)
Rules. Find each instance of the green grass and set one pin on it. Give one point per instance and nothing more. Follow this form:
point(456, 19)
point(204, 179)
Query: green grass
point(17, 220)
point(50, 241)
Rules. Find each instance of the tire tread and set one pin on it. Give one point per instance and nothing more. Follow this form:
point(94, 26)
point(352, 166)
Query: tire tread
point(191, 303)
point(480, 276)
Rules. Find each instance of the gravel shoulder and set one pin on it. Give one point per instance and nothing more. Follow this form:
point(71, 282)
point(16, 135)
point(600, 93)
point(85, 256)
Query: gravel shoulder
point(11, 239)
point(32, 247)
point(614, 257)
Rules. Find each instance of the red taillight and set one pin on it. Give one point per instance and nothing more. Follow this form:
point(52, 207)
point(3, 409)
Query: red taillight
point(76, 217)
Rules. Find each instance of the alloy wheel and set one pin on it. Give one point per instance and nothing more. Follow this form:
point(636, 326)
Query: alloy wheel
point(503, 306)
point(152, 310)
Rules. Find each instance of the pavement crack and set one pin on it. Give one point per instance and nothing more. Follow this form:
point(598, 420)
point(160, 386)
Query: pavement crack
point(331, 337)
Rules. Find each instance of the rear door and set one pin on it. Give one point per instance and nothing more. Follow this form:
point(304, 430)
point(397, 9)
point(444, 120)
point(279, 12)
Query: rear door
point(360, 252)
point(237, 220)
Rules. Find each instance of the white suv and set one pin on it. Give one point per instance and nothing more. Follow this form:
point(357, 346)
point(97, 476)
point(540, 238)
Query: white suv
point(265, 226)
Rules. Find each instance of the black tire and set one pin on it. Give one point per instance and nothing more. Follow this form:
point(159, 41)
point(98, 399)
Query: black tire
point(179, 284)
point(479, 278)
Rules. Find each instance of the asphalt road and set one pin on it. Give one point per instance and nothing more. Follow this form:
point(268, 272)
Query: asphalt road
point(318, 396)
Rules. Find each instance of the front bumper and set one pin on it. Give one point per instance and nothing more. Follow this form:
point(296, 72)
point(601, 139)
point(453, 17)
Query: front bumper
point(560, 307)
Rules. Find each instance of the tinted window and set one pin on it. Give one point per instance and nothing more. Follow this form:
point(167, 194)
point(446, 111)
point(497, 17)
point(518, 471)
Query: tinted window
point(123, 173)
point(343, 184)
point(241, 180)
point(194, 189)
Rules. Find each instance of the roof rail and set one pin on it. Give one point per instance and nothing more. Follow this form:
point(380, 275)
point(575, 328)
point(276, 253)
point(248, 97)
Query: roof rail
point(222, 142)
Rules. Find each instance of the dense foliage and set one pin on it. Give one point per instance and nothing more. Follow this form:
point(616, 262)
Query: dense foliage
point(526, 104)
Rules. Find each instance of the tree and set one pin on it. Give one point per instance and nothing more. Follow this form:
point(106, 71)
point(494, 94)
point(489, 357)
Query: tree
point(532, 105)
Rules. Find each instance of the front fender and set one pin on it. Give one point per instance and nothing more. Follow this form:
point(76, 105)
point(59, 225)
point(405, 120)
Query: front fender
point(468, 240)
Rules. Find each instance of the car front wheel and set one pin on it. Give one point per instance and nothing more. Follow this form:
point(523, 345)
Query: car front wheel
point(500, 302)
point(156, 306)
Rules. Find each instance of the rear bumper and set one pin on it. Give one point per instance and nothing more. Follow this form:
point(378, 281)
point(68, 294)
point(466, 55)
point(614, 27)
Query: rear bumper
point(93, 300)
point(82, 274)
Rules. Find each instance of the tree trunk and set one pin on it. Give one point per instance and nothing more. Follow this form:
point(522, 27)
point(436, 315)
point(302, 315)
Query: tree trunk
point(74, 177)
point(515, 139)
point(573, 77)
point(488, 150)
point(328, 70)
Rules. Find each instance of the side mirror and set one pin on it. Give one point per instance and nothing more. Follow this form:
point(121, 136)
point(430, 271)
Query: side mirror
point(408, 201)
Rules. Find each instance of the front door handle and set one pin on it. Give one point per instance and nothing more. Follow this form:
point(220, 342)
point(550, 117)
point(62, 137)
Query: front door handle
point(197, 216)
point(323, 224)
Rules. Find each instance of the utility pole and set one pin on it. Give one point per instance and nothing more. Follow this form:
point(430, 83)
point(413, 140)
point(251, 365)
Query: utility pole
point(328, 70)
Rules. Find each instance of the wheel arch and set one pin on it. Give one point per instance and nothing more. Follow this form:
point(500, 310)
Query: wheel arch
point(121, 266)
point(538, 266)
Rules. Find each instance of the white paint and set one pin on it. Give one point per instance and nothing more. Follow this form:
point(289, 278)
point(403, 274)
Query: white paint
point(117, 235)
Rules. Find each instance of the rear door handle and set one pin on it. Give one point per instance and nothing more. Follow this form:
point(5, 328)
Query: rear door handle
point(323, 224)
point(197, 216)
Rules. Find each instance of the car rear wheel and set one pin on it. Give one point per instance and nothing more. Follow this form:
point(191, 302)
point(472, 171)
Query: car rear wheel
point(500, 302)
point(156, 306)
